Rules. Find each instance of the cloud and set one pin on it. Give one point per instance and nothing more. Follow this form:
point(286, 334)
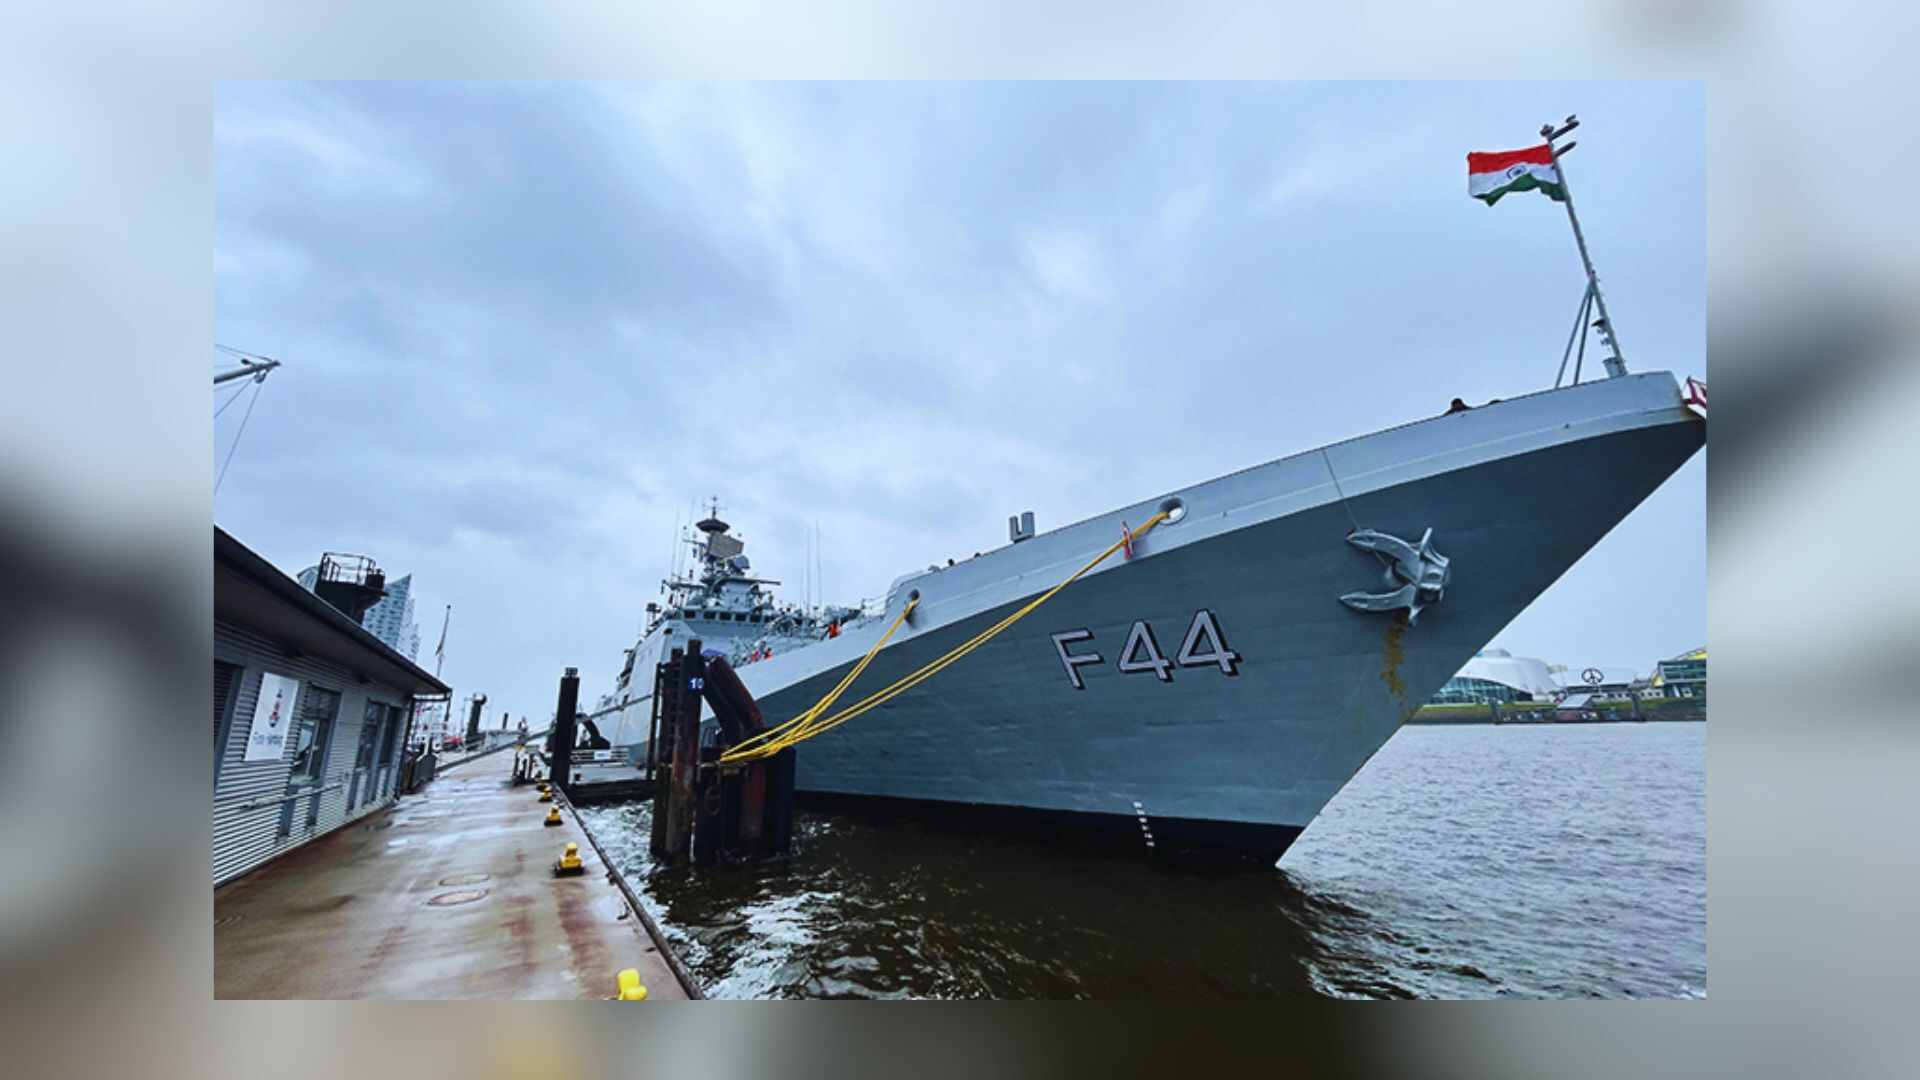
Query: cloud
point(1341, 163)
point(1180, 212)
point(1068, 265)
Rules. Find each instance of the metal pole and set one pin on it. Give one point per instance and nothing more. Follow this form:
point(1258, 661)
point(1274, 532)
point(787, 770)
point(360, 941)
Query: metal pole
point(440, 650)
point(666, 708)
point(1579, 323)
point(1616, 364)
point(564, 735)
point(1580, 358)
point(653, 728)
point(247, 367)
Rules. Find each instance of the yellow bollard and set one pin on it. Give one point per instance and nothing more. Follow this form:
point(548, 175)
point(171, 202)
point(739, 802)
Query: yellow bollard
point(569, 864)
point(553, 815)
point(630, 987)
point(545, 795)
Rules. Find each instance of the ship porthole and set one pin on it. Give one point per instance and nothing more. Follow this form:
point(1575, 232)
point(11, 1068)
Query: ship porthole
point(1174, 509)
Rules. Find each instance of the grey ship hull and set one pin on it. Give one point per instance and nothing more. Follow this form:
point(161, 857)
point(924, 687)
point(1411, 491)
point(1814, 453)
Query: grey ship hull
point(1202, 759)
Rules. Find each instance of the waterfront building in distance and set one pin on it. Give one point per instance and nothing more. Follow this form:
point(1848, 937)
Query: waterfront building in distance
point(1496, 675)
point(390, 618)
point(1683, 676)
point(385, 608)
point(1495, 679)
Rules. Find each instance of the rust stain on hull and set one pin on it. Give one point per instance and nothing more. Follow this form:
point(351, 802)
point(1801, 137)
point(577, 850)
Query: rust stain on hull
point(1393, 654)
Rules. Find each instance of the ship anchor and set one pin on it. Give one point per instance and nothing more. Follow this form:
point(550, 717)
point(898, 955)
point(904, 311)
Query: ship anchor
point(1420, 573)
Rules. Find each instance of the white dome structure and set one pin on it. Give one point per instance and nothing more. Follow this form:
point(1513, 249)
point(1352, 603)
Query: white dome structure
point(1498, 675)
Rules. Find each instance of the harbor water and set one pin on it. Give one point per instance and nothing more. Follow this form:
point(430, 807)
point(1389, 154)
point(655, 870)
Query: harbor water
point(1532, 861)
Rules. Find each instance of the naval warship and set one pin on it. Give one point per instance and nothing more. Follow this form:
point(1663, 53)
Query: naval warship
point(1209, 690)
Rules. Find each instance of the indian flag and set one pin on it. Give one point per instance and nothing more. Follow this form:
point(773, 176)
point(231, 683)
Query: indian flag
point(1491, 175)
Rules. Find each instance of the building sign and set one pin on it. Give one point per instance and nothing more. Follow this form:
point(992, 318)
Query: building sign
point(272, 717)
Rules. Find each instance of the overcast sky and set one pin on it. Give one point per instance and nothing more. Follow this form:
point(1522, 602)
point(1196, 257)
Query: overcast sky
point(525, 327)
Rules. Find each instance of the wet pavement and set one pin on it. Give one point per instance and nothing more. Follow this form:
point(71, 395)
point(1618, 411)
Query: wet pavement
point(446, 896)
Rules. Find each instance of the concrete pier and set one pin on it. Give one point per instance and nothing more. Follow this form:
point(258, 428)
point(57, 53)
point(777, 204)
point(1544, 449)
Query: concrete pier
point(446, 896)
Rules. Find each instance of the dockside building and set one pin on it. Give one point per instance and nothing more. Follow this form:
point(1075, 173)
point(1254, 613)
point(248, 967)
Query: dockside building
point(310, 710)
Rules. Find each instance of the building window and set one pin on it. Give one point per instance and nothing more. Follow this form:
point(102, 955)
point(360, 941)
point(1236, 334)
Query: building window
point(1467, 690)
point(369, 734)
point(319, 708)
point(394, 720)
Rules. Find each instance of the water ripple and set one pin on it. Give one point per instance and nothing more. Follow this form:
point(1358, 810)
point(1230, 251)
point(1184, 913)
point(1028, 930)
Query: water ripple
point(1463, 862)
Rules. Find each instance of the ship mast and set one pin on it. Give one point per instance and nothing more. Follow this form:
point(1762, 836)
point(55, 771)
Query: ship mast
point(254, 369)
point(1615, 364)
point(247, 367)
point(257, 366)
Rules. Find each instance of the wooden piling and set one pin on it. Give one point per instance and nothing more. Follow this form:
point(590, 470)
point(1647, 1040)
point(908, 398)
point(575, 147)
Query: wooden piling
point(778, 838)
point(666, 706)
point(702, 810)
point(685, 722)
point(564, 735)
point(709, 813)
point(745, 785)
point(653, 724)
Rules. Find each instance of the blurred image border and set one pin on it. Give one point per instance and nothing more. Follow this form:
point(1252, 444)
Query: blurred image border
point(1812, 749)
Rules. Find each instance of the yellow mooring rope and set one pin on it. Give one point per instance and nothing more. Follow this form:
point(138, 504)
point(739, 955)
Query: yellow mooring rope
point(809, 724)
point(744, 749)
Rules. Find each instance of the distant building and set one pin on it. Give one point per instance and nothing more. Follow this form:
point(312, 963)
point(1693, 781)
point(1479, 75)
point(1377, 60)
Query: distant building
point(1496, 675)
point(1604, 683)
point(390, 619)
point(433, 725)
point(1683, 676)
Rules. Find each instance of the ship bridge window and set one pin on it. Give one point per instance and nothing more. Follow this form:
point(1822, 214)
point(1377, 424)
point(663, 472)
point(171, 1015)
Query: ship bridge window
point(726, 617)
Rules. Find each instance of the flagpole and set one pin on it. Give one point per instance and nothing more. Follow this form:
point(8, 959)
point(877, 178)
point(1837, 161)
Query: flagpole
point(439, 657)
point(1616, 365)
point(440, 650)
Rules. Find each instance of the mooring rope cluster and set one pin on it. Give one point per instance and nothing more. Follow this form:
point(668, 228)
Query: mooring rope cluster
point(779, 737)
point(810, 723)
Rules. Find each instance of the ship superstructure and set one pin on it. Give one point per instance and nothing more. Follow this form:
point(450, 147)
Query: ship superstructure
point(720, 603)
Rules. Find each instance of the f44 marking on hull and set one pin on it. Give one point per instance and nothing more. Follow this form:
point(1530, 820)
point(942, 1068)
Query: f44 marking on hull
point(1204, 646)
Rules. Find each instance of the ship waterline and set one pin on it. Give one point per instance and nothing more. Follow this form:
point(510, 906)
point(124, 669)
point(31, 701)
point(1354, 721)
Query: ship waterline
point(1212, 692)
